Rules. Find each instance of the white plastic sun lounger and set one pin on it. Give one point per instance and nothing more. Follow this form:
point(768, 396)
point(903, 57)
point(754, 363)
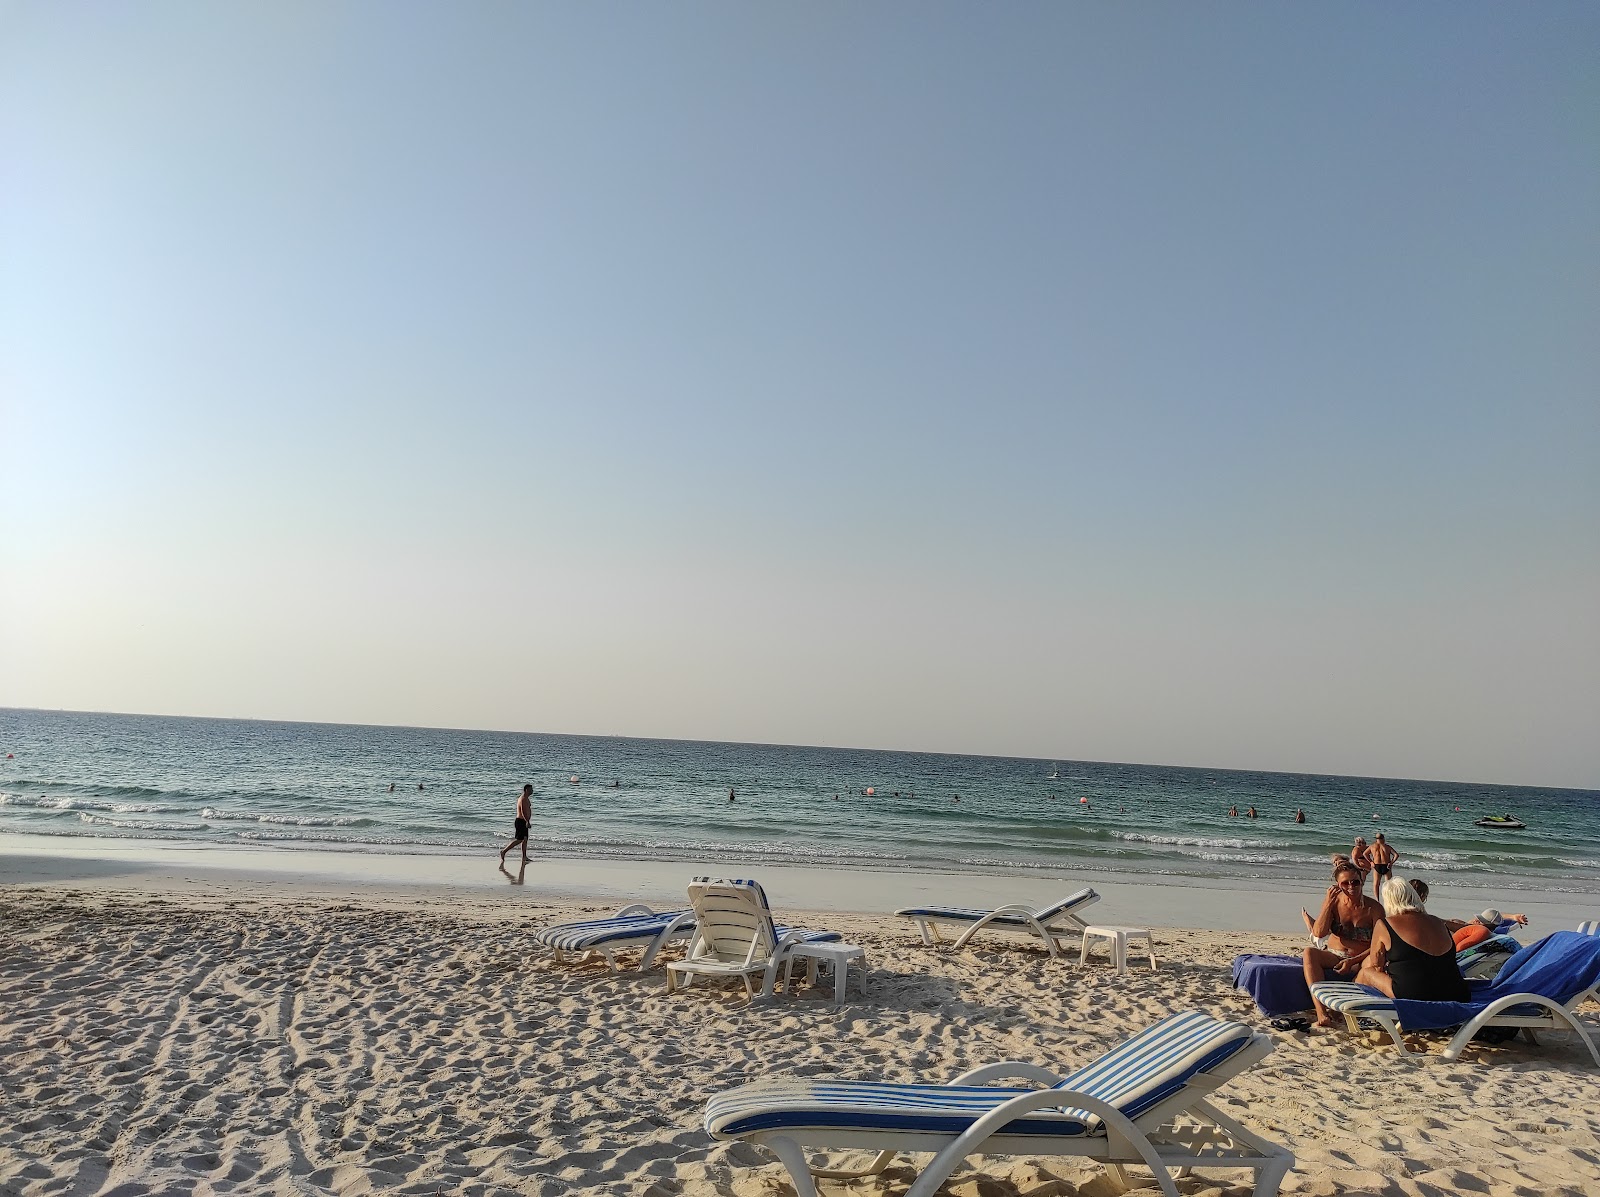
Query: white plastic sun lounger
point(1527, 1012)
point(1142, 1103)
point(633, 928)
point(736, 936)
point(1050, 923)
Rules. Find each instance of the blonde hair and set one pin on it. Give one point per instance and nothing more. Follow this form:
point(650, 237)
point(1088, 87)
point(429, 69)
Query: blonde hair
point(1398, 896)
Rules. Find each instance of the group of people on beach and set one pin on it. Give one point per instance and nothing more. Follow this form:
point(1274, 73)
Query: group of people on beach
point(1388, 941)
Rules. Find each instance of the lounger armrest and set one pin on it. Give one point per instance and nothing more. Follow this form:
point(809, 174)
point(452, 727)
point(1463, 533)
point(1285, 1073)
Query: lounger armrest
point(665, 936)
point(986, 1074)
point(1014, 908)
point(1125, 1138)
point(1010, 908)
point(634, 911)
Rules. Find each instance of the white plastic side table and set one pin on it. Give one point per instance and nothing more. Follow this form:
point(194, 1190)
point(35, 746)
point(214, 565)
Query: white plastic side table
point(1117, 939)
point(837, 954)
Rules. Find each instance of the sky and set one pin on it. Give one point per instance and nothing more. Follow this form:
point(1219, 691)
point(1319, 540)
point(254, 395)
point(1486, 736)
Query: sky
point(1203, 385)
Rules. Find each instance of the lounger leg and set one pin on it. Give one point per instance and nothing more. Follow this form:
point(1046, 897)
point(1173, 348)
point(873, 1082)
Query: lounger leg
point(1119, 1176)
point(793, 1157)
point(879, 1163)
point(1392, 1024)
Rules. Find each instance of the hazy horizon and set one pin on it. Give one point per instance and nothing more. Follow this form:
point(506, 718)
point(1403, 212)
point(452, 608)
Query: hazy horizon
point(1109, 383)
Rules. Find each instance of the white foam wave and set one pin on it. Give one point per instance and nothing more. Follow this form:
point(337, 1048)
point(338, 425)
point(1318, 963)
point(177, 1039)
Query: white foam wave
point(68, 802)
point(1192, 841)
point(132, 824)
point(212, 815)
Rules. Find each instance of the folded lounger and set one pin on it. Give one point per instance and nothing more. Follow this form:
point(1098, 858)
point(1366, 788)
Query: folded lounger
point(1049, 923)
point(1141, 1103)
point(1539, 988)
point(735, 936)
point(633, 928)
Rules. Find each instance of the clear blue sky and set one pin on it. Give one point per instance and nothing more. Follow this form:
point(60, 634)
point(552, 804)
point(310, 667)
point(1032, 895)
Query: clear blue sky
point(1211, 385)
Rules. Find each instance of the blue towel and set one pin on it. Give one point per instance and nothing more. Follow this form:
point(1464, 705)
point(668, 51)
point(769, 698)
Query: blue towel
point(1558, 967)
point(1277, 984)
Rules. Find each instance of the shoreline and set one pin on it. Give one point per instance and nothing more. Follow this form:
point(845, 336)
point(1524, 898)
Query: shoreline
point(1157, 901)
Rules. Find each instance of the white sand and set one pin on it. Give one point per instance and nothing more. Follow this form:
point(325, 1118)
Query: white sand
point(206, 1032)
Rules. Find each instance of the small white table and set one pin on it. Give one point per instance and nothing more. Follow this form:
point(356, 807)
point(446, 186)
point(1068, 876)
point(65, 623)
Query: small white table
point(837, 954)
point(1117, 941)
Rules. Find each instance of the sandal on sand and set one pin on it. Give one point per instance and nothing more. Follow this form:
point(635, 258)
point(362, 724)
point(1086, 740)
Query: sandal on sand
point(1291, 1024)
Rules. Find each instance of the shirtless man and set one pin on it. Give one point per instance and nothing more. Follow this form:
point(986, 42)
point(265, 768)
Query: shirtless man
point(520, 827)
point(1361, 857)
point(1382, 855)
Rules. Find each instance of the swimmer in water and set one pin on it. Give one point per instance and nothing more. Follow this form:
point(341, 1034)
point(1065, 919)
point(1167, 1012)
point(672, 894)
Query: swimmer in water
point(730, 796)
point(1299, 816)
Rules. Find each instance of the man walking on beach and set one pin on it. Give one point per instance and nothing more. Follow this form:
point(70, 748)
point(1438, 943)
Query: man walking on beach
point(520, 827)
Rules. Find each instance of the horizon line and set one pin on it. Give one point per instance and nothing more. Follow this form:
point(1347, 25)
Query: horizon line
point(781, 744)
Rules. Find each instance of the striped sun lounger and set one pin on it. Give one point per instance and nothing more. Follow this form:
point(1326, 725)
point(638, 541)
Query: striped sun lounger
point(1539, 988)
point(633, 928)
point(1050, 923)
point(1120, 1110)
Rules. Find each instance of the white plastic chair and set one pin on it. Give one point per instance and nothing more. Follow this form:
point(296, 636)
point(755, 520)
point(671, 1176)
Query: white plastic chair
point(735, 936)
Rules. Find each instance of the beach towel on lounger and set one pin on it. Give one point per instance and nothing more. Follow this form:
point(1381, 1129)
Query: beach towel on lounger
point(1558, 967)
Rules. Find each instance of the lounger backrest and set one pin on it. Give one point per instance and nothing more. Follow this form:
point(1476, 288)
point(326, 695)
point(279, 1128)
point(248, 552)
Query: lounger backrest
point(1158, 1061)
point(735, 920)
point(1084, 897)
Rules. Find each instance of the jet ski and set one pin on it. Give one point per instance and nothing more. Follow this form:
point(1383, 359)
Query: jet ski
point(1505, 822)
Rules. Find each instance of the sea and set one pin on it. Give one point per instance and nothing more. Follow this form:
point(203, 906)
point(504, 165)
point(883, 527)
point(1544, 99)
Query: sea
point(244, 784)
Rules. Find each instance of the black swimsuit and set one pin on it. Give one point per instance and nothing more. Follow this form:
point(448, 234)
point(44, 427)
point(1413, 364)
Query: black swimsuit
point(1423, 977)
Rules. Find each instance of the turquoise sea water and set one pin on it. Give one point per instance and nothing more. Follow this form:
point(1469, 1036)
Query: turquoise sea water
point(320, 786)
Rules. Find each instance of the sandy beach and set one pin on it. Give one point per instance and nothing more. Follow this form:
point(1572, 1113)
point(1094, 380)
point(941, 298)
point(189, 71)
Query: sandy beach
point(194, 1031)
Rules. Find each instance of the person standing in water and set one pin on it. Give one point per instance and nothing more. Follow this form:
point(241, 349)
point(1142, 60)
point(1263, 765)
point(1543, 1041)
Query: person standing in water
point(1383, 857)
point(1361, 858)
point(519, 828)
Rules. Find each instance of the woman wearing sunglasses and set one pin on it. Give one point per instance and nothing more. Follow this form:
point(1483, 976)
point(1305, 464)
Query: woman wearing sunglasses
point(1346, 920)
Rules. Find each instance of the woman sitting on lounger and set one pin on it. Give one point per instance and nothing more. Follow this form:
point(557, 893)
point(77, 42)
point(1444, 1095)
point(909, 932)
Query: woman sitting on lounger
point(1412, 953)
point(1345, 925)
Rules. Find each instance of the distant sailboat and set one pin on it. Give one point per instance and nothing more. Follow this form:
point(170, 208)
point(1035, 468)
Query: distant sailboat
point(1055, 773)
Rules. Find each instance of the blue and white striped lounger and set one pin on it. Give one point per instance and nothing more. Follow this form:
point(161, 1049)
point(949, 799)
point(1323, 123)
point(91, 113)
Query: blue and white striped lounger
point(1118, 1110)
point(1539, 988)
point(1049, 923)
point(633, 928)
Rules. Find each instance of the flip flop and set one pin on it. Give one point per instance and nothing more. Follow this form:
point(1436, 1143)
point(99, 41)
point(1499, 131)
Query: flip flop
point(1291, 1024)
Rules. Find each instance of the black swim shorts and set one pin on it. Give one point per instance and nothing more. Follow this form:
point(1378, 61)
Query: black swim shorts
point(521, 829)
